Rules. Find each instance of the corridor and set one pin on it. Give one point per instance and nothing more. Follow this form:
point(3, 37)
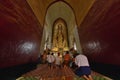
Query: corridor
point(28, 27)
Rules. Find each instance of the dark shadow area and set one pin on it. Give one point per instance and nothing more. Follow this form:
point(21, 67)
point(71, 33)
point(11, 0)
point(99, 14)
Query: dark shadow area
point(12, 73)
point(109, 70)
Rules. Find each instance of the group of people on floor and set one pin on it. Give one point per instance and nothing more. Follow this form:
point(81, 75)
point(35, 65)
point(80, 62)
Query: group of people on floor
point(78, 62)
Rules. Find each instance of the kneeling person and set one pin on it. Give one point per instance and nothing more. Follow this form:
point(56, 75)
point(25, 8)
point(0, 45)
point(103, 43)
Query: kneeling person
point(83, 69)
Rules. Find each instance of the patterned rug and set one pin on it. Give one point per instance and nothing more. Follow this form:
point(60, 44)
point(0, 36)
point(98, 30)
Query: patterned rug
point(43, 72)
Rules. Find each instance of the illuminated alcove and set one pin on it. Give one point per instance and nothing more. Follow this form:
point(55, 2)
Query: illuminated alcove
point(60, 11)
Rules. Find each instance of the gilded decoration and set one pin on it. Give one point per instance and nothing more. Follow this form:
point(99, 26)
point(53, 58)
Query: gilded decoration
point(60, 42)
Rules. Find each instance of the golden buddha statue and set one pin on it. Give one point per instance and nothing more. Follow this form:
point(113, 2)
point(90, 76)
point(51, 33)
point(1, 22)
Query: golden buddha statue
point(59, 38)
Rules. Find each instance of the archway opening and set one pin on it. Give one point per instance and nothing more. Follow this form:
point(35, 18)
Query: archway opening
point(59, 13)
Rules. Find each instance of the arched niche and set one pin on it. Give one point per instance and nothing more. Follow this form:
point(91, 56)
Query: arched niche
point(60, 35)
point(60, 10)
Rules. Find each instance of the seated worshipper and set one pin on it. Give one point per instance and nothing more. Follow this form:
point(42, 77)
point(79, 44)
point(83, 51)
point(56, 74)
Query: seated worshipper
point(73, 65)
point(67, 59)
point(83, 69)
point(58, 60)
point(44, 57)
point(50, 60)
